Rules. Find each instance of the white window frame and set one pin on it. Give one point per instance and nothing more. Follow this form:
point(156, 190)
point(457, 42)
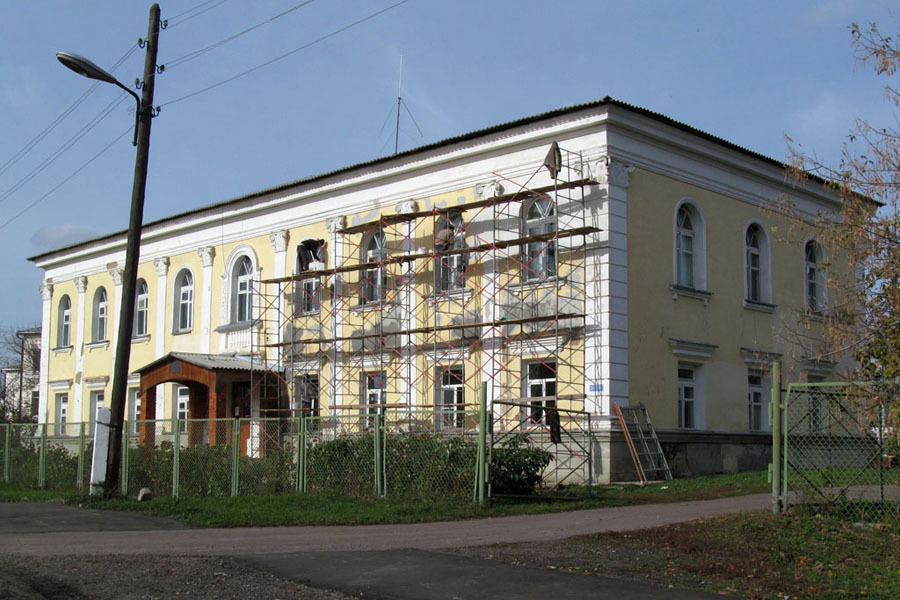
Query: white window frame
point(450, 269)
point(757, 265)
point(307, 400)
point(181, 406)
point(100, 315)
point(539, 258)
point(134, 404)
point(64, 323)
point(242, 290)
point(688, 396)
point(98, 400)
point(307, 296)
point(374, 387)
point(540, 385)
point(141, 309)
point(757, 403)
point(62, 413)
point(373, 282)
point(689, 248)
point(450, 398)
point(183, 297)
point(813, 277)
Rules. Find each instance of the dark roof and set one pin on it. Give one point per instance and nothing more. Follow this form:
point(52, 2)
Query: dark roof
point(445, 142)
point(213, 362)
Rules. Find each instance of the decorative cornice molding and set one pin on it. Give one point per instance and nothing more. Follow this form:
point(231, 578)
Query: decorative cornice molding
point(116, 275)
point(81, 284)
point(46, 291)
point(759, 359)
point(336, 224)
point(207, 254)
point(691, 348)
point(406, 207)
point(488, 190)
point(162, 265)
point(279, 240)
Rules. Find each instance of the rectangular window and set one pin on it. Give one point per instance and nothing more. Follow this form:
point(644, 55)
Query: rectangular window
point(817, 406)
point(35, 401)
point(182, 397)
point(134, 403)
point(306, 394)
point(685, 259)
point(755, 401)
point(307, 296)
point(541, 383)
point(687, 395)
point(374, 393)
point(62, 413)
point(451, 399)
point(98, 398)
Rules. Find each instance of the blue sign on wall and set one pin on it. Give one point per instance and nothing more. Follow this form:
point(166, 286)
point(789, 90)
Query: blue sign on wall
point(595, 387)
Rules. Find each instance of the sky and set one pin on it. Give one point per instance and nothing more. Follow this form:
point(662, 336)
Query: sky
point(751, 72)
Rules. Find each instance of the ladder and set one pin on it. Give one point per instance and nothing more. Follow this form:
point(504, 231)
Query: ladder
point(647, 454)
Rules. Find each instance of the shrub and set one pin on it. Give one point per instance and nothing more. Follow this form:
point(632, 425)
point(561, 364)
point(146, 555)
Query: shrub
point(344, 465)
point(517, 467)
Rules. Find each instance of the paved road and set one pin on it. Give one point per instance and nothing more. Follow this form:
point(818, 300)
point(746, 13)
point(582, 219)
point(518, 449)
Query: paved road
point(371, 561)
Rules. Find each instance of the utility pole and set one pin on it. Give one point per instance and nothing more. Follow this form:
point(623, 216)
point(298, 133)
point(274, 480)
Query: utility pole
point(132, 254)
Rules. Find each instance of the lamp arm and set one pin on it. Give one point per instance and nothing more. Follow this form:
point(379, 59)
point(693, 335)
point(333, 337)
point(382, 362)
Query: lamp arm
point(137, 112)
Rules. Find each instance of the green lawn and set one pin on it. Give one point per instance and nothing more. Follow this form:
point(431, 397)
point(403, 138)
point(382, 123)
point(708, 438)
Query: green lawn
point(323, 509)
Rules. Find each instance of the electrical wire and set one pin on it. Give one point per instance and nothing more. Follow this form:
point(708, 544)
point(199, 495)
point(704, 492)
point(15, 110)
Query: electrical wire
point(53, 124)
point(65, 146)
point(66, 180)
point(190, 10)
point(197, 53)
point(285, 55)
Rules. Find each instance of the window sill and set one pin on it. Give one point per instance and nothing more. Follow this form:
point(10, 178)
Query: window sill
point(460, 293)
point(229, 327)
point(370, 306)
point(63, 350)
point(182, 331)
point(94, 345)
point(533, 284)
point(764, 307)
point(680, 290)
point(140, 339)
point(305, 314)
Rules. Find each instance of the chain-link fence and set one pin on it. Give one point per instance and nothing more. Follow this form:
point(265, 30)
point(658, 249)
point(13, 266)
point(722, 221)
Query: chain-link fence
point(540, 447)
point(839, 450)
point(339, 455)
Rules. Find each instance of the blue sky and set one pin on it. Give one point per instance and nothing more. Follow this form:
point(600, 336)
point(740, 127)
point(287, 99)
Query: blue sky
point(750, 72)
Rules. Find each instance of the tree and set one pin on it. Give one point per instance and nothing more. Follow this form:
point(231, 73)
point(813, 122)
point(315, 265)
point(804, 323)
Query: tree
point(20, 357)
point(866, 323)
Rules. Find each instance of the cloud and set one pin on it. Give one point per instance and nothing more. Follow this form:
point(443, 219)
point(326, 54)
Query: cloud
point(58, 236)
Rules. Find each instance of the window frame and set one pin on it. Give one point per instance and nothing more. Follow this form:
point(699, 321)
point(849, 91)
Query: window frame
point(373, 282)
point(813, 278)
point(97, 401)
point(692, 277)
point(242, 274)
point(538, 408)
point(450, 269)
point(134, 403)
point(756, 401)
point(100, 316)
point(62, 412)
point(450, 416)
point(183, 299)
point(64, 322)
point(545, 253)
point(181, 406)
point(687, 407)
point(141, 309)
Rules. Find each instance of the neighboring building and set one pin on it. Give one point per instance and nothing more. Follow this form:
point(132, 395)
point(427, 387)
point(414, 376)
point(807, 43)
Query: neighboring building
point(588, 256)
point(21, 380)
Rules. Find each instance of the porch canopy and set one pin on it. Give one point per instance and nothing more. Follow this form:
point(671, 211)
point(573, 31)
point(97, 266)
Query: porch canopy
point(208, 377)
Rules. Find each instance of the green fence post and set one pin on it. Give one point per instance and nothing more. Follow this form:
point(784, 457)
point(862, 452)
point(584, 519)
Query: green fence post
point(42, 466)
point(81, 456)
point(482, 440)
point(235, 457)
point(301, 458)
point(379, 457)
point(6, 453)
point(176, 458)
point(785, 405)
point(590, 454)
point(775, 420)
point(125, 454)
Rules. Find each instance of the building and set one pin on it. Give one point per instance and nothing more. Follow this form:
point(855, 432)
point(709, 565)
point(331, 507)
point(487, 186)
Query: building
point(594, 255)
point(21, 379)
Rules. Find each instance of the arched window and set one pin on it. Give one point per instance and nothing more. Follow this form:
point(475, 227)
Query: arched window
point(241, 290)
point(450, 269)
point(374, 281)
point(64, 323)
point(184, 302)
point(814, 277)
point(98, 324)
point(690, 249)
point(757, 280)
point(540, 256)
point(141, 304)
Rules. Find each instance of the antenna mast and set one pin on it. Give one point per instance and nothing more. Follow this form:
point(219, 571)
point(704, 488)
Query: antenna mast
point(399, 100)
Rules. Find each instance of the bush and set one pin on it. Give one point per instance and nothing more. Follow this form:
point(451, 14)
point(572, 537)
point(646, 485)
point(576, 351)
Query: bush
point(345, 466)
point(517, 467)
point(426, 465)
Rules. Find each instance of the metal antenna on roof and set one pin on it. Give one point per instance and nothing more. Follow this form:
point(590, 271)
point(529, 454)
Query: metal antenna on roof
point(399, 101)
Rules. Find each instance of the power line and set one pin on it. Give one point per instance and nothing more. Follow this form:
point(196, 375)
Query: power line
point(190, 10)
point(196, 53)
point(64, 147)
point(66, 180)
point(285, 55)
point(53, 124)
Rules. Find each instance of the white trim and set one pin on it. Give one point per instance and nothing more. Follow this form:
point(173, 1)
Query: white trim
point(96, 383)
point(692, 348)
point(60, 385)
point(228, 291)
point(759, 360)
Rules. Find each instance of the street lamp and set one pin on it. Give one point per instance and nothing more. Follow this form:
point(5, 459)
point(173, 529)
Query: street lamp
point(88, 69)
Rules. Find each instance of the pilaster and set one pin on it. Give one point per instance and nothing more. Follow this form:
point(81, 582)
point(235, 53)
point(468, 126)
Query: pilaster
point(46, 315)
point(75, 409)
point(207, 256)
point(162, 304)
point(337, 257)
point(279, 241)
point(115, 307)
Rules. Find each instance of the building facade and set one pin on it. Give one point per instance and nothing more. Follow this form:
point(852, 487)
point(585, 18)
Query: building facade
point(21, 379)
point(595, 255)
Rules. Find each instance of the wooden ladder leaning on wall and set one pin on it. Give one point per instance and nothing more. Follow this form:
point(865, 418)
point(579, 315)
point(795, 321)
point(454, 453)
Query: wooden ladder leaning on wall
point(643, 444)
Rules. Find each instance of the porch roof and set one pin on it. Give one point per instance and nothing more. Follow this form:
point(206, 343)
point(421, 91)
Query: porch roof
point(211, 362)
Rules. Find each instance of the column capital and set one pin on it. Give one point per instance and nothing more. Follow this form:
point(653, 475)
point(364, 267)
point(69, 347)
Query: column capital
point(46, 291)
point(336, 224)
point(81, 284)
point(162, 265)
point(612, 172)
point(116, 275)
point(207, 254)
point(406, 207)
point(490, 189)
point(279, 240)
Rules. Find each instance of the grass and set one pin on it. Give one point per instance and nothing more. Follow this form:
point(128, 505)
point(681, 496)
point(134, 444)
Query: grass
point(325, 509)
point(752, 555)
